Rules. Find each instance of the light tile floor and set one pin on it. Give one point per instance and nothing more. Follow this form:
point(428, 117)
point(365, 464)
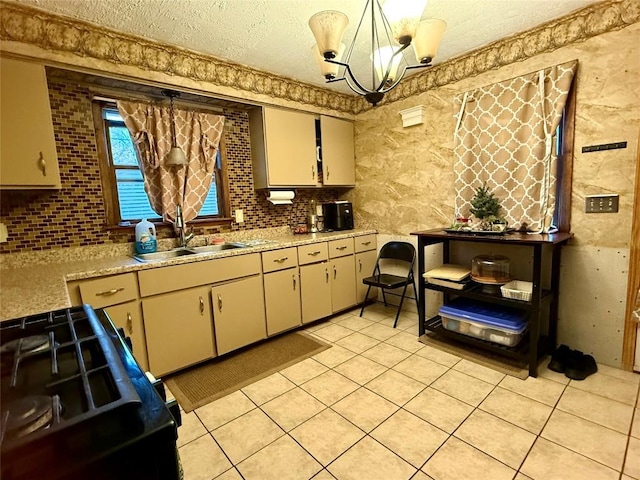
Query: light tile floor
point(381, 405)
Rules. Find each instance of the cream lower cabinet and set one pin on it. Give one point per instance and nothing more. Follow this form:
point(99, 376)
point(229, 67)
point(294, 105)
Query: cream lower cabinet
point(365, 263)
point(282, 300)
point(179, 329)
point(128, 317)
point(343, 283)
point(281, 289)
point(366, 256)
point(238, 313)
point(343, 274)
point(315, 291)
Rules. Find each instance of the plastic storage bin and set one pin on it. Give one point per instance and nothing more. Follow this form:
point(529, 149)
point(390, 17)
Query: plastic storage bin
point(494, 323)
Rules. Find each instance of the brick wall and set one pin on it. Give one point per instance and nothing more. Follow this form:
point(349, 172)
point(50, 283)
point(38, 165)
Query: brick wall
point(75, 215)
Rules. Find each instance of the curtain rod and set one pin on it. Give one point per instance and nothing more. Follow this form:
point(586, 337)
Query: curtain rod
point(99, 94)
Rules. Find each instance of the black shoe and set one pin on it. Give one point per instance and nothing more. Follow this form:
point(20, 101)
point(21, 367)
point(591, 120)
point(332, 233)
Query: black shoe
point(580, 366)
point(560, 359)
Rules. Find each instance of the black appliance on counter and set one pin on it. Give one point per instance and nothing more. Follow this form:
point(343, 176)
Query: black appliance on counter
point(76, 405)
point(337, 216)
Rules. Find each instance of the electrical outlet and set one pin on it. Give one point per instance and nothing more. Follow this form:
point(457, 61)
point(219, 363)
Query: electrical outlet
point(601, 203)
point(239, 214)
point(4, 234)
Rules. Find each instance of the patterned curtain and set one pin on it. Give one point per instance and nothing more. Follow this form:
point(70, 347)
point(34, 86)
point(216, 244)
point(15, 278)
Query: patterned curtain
point(504, 137)
point(198, 134)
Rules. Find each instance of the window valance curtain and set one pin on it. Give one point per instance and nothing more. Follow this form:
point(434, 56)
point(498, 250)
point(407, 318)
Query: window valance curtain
point(198, 134)
point(504, 137)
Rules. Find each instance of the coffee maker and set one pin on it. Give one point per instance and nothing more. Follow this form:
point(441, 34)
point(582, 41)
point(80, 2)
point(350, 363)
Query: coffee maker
point(337, 216)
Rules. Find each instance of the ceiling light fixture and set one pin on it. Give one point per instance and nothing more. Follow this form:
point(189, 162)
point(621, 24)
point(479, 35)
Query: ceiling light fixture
point(394, 27)
point(175, 157)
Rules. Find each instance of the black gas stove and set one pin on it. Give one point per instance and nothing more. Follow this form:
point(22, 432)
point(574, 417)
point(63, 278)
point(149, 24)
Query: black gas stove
point(76, 405)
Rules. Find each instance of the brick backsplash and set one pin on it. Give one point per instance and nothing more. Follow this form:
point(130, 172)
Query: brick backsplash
point(75, 214)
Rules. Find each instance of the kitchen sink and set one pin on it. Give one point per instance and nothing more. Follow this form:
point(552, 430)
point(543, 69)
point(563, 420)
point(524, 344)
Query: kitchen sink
point(166, 255)
point(216, 248)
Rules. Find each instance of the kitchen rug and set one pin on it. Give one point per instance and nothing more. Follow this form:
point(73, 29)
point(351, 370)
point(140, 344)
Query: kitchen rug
point(476, 355)
point(216, 378)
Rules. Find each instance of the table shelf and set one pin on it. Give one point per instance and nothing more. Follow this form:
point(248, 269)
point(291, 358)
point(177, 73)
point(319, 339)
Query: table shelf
point(475, 292)
point(542, 307)
point(519, 352)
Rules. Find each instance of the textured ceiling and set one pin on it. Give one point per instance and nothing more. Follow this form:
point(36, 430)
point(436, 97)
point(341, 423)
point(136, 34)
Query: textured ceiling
point(273, 35)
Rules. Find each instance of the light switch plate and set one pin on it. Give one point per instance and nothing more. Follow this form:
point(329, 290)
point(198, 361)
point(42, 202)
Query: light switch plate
point(607, 203)
point(239, 214)
point(4, 233)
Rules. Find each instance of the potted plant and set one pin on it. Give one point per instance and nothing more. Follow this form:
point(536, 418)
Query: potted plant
point(486, 208)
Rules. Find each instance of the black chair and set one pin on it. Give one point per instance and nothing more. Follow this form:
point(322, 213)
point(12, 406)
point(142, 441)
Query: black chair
point(403, 253)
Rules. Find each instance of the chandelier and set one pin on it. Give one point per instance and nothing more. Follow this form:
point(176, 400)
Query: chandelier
point(394, 27)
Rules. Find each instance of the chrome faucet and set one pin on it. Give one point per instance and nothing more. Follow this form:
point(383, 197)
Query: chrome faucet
point(179, 223)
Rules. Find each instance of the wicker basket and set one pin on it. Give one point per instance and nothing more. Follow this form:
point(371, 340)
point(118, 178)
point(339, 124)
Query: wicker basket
point(518, 290)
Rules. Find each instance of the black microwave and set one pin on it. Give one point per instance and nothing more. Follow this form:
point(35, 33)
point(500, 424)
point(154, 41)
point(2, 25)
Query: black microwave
point(337, 216)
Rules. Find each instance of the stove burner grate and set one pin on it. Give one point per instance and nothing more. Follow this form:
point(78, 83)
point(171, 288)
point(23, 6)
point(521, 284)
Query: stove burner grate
point(32, 344)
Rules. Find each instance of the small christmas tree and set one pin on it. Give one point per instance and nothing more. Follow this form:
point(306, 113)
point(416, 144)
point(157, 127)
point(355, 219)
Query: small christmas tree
point(485, 206)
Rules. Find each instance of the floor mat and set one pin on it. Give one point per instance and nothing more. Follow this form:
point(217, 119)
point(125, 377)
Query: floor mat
point(473, 354)
point(216, 378)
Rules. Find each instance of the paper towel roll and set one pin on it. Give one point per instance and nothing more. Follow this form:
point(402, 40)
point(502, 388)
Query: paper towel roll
point(281, 197)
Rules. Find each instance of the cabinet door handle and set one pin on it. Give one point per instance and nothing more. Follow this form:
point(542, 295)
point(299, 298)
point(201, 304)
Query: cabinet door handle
point(280, 260)
point(335, 272)
point(129, 323)
point(341, 248)
point(326, 272)
point(220, 302)
point(366, 244)
point(313, 172)
point(313, 254)
point(359, 266)
point(294, 281)
point(201, 306)
point(42, 164)
point(108, 293)
point(327, 173)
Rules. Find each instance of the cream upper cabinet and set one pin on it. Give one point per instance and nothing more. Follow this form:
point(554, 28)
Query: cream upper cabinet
point(179, 329)
point(28, 158)
point(283, 148)
point(338, 156)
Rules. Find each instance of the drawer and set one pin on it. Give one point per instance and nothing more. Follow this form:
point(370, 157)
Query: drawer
point(178, 277)
point(340, 248)
point(279, 259)
point(106, 291)
point(365, 243)
point(316, 252)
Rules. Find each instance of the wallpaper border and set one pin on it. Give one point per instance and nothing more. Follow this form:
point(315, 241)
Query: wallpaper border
point(86, 43)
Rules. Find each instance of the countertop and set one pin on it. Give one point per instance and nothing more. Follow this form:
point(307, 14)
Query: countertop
point(37, 288)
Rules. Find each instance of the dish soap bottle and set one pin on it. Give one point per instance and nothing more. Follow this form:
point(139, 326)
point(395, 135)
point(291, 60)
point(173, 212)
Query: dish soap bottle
point(146, 237)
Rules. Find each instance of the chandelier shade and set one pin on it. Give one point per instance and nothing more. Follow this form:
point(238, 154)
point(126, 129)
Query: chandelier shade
point(428, 36)
point(393, 27)
point(328, 28)
point(327, 69)
point(404, 18)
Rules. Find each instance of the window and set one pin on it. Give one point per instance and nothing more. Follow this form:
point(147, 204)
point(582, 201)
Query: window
point(126, 201)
